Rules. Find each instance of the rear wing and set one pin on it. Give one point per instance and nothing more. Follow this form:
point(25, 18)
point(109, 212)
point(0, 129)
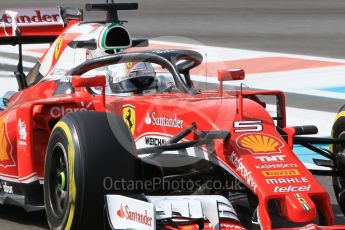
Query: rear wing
point(35, 25)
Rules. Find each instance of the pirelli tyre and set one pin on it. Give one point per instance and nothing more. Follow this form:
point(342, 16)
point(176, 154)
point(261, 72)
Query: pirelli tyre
point(338, 131)
point(85, 148)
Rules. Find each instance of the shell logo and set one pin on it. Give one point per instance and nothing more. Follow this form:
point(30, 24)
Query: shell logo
point(260, 143)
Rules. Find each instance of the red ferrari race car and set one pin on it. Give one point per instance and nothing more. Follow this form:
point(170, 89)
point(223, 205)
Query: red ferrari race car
point(103, 137)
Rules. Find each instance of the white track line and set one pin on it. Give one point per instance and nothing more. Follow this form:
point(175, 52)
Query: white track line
point(305, 81)
point(14, 62)
point(14, 49)
point(238, 54)
point(323, 120)
point(7, 84)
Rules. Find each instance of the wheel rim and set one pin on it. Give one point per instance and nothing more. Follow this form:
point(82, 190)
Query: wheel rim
point(58, 182)
point(339, 151)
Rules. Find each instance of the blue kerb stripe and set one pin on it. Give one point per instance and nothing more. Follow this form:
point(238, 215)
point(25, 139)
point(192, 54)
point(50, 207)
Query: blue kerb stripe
point(306, 155)
point(335, 89)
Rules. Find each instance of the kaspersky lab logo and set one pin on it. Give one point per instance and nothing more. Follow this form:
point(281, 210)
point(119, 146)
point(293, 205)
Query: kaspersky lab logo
point(163, 121)
point(136, 216)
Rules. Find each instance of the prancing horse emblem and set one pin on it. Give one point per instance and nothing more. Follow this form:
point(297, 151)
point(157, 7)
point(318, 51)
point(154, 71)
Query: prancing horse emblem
point(128, 115)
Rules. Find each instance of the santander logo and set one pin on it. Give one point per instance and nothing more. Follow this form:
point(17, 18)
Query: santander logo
point(120, 212)
point(148, 120)
point(36, 16)
point(163, 121)
point(134, 215)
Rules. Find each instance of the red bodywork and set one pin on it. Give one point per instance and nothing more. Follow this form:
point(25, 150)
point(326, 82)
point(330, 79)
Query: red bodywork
point(253, 153)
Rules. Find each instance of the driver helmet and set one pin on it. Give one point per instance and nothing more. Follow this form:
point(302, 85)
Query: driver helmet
point(131, 77)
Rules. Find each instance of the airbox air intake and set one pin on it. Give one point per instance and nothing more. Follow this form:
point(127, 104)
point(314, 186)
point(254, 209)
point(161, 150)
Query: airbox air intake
point(115, 37)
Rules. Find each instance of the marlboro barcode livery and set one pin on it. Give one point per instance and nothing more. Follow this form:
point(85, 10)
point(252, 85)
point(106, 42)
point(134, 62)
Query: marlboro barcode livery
point(104, 134)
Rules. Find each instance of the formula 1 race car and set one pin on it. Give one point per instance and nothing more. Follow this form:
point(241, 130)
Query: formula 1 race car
point(103, 137)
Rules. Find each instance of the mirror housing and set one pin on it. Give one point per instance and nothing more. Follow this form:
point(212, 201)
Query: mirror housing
point(97, 81)
point(230, 75)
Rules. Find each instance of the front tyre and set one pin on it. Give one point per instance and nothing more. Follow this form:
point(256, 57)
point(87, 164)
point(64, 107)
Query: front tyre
point(338, 131)
point(82, 152)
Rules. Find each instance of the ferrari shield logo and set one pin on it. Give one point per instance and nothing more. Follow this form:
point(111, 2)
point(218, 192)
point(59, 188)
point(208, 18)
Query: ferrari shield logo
point(129, 65)
point(128, 115)
point(58, 47)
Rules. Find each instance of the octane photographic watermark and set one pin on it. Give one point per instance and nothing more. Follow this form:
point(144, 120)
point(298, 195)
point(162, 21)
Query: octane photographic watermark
point(158, 183)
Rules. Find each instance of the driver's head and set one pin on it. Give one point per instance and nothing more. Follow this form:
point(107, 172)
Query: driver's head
point(132, 77)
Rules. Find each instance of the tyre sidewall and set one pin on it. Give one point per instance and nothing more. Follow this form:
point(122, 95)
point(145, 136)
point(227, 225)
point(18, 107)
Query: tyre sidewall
point(338, 130)
point(64, 133)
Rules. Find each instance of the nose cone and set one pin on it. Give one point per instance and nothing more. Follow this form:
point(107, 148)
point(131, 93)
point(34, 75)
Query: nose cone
point(298, 207)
